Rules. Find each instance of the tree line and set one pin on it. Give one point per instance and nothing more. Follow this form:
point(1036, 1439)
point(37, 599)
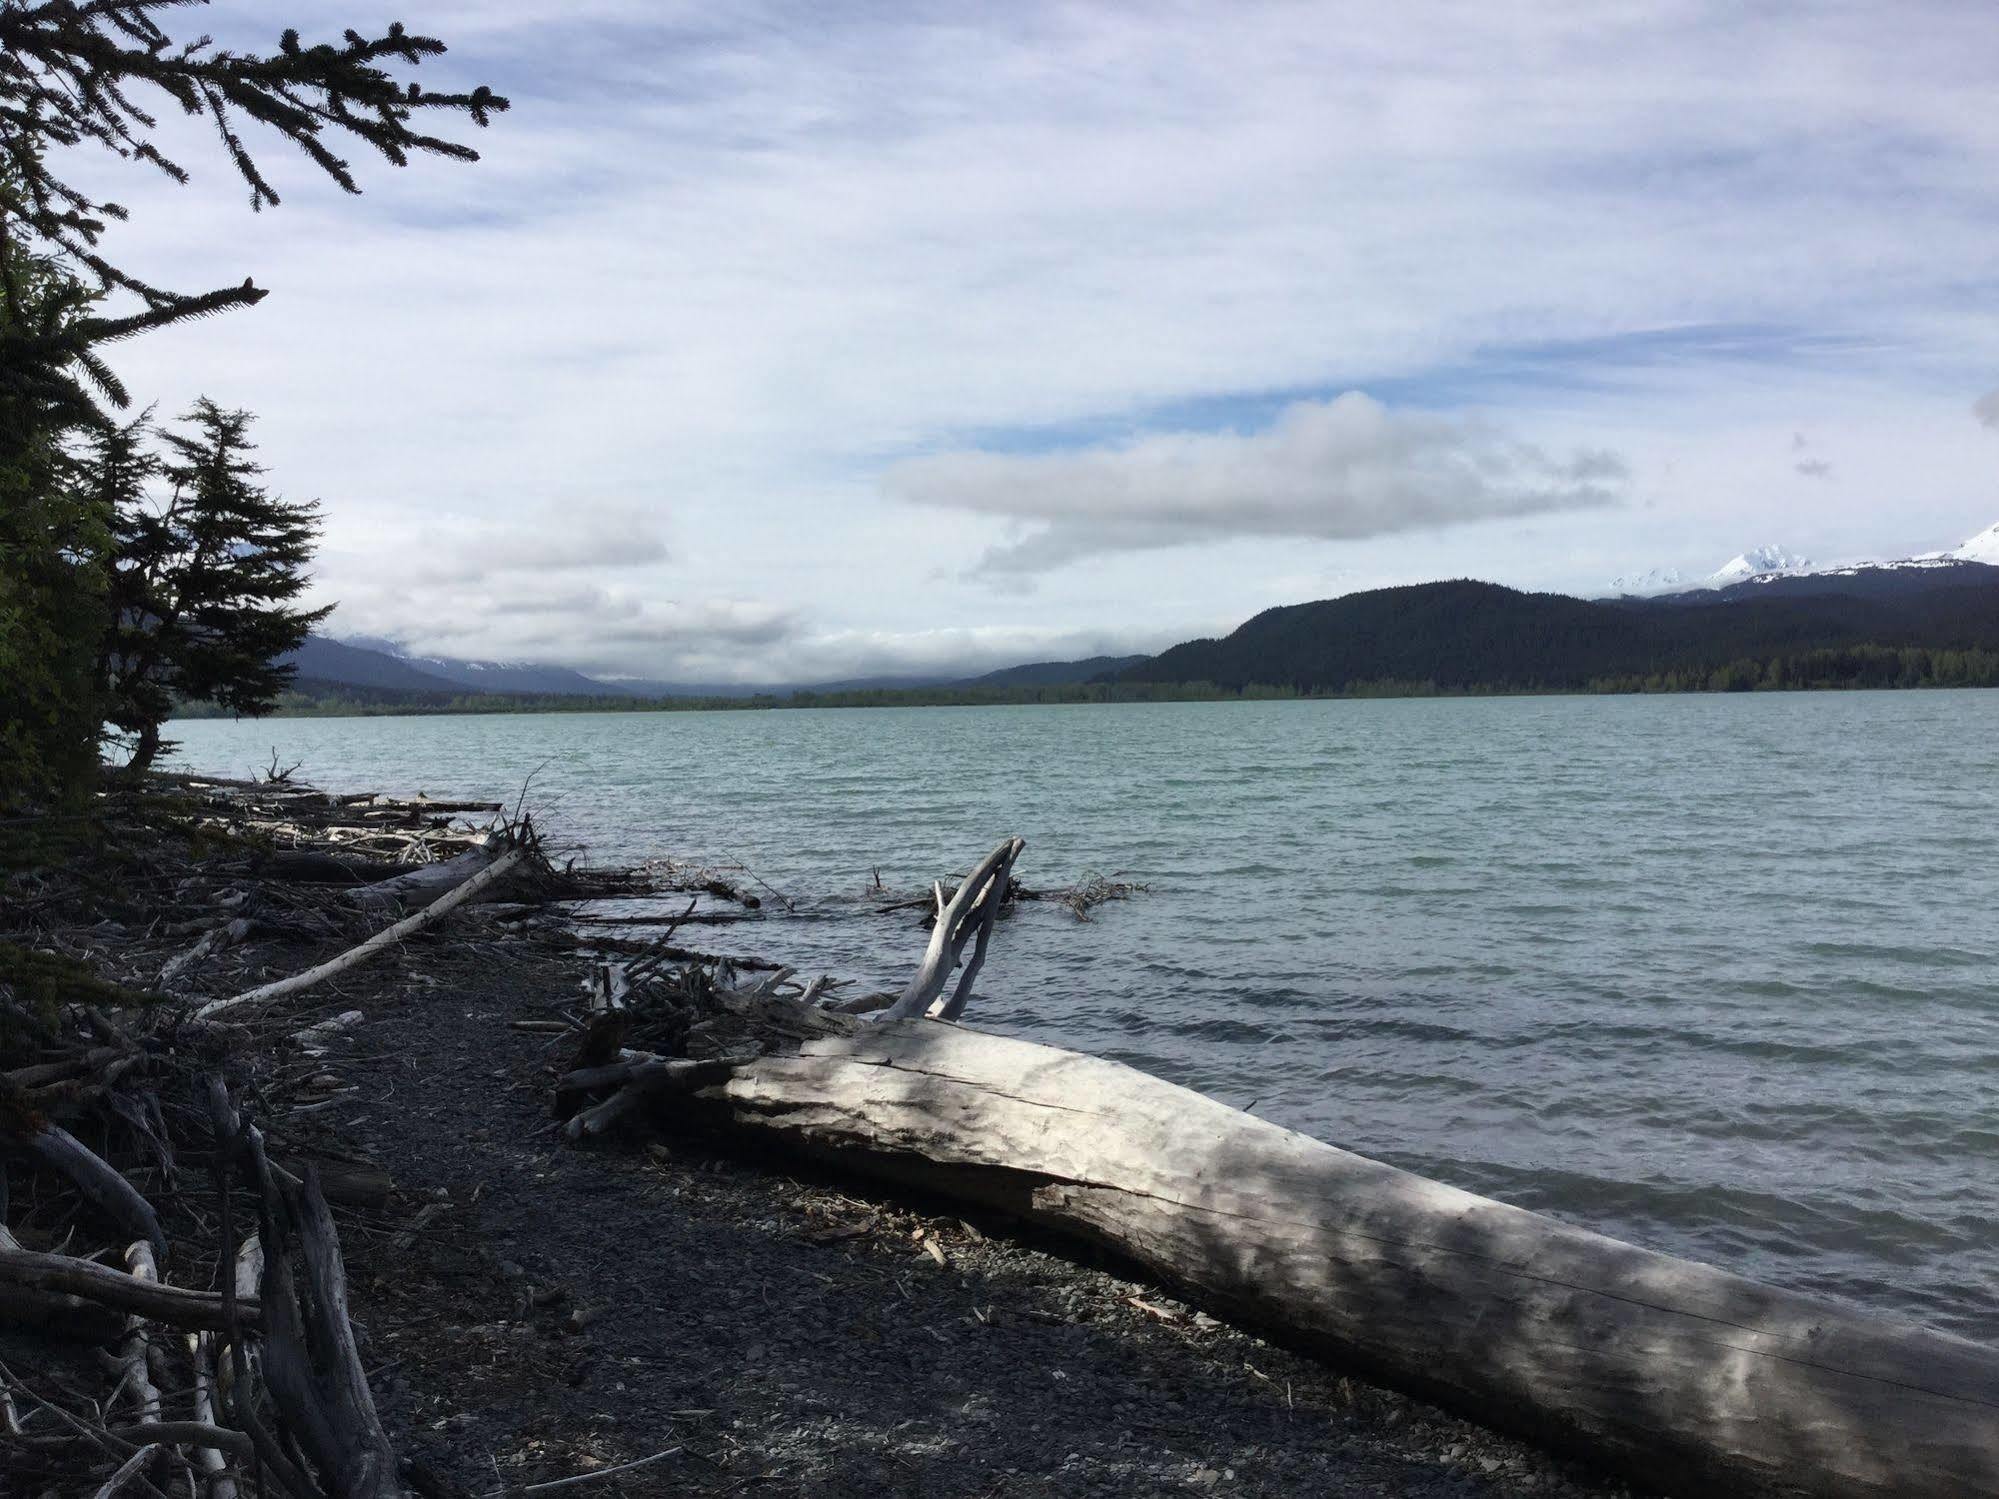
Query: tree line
point(143, 563)
point(1851, 667)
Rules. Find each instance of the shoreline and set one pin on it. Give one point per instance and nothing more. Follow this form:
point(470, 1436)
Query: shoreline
point(501, 706)
point(542, 1310)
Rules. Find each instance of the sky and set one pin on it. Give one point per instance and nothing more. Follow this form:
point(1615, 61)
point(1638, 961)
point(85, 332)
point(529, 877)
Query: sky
point(797, 342)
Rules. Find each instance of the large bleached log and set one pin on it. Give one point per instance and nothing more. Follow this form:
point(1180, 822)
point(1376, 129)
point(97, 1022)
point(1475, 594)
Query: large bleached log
point(388, 937)
point(1672, 1372)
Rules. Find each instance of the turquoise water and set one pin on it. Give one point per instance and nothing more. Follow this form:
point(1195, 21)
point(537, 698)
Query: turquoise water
point(1716, 974)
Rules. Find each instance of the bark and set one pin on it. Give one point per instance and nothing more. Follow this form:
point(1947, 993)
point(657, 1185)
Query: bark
point(1669, 1371)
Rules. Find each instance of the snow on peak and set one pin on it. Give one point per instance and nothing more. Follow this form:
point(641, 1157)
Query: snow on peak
point(1768, 563)
point(1984, 547)
point(1759, 562)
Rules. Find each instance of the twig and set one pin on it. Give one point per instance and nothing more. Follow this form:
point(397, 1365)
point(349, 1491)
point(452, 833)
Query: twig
point(127, 1471)
point(592, 1477)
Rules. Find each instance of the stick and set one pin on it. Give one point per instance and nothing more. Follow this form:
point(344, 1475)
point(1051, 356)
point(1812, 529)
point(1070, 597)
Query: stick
point(563, 1483)
point(185, 1433)
point(207, 1405)
point(139, 1262)
point(198, 1310)
point(126, 1472)
point(646, 1081)
point(387, 937)
point(988, 913)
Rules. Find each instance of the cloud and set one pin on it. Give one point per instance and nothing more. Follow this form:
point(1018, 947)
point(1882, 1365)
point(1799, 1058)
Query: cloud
point(738, 260)
point(566, 538)
point(1335, 470)
point(1986, 408)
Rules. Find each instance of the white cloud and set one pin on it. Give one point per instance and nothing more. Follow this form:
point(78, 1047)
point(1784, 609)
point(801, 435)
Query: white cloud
point(552, 539)
point(1336, 470)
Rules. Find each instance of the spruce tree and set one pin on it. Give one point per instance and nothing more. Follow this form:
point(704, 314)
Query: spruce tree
point(207, 579)
point(53, 546)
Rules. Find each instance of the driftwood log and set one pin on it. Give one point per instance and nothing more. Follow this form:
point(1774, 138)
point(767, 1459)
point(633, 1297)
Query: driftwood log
point(1667, 1370)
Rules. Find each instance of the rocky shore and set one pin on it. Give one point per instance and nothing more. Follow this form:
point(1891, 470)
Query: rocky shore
point(530, 1310)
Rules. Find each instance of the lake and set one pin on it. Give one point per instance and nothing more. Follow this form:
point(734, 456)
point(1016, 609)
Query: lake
point(1716, 974)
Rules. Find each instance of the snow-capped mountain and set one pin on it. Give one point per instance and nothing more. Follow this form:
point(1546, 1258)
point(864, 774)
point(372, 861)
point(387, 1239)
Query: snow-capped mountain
point(1770, 564)
point(1758, 562)
point(1764, 561)
point(1984, 547)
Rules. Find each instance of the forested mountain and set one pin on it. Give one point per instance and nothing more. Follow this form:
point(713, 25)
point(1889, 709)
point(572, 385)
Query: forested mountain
point(1055, 673)
point(323, 660)
point(1468, 636)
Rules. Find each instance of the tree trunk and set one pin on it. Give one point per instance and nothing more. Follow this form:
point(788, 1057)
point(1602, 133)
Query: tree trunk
point(145, 749)
point(1668, 1371)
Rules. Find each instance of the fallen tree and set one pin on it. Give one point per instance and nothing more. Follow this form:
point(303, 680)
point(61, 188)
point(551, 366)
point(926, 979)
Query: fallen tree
point(1664, 1370)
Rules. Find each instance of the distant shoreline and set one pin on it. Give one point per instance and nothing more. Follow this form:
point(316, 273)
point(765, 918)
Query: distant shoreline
point(1868, 673)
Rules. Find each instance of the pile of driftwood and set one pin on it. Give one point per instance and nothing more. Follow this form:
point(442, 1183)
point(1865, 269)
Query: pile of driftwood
point(145, 1222)
point(1671, 1372)
point(229, 1364)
